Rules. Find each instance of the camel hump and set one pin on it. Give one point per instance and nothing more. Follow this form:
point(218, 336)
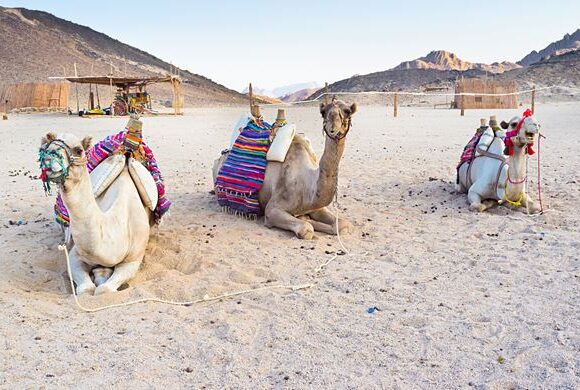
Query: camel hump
point(485, 141)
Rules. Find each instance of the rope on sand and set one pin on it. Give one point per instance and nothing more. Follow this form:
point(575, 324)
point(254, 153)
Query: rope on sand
point(206, 298)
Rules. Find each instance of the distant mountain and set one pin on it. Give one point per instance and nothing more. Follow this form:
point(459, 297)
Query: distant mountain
point(556, 70)
point(444, 60)
point(298, 95)
point(35, 45)
point(283, 91)
point(566, 44)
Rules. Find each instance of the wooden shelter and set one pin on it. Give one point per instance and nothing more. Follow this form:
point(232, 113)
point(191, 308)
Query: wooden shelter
point(34, 95)
point(129, 90)
point(475, 86)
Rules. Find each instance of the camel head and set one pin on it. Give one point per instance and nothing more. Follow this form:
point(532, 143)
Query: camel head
point(523, 130)
point(337, 118)
point(62, 158)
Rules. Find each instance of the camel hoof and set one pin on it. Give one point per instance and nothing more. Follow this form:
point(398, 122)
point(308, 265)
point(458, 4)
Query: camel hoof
point(477, 207)
point(86, 289)
point(346, 228)
point(104, 289)
point(306, 233)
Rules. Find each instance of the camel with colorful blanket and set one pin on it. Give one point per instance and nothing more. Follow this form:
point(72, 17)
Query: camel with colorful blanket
point(490, 175)
point(108, 211)
point(292, 193)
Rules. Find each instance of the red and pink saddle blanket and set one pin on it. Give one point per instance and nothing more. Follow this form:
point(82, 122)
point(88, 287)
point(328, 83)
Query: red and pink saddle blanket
point(469, 150)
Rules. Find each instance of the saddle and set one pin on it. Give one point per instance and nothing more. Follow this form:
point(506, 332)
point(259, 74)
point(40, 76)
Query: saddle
point(109, 170)
point(280, 143)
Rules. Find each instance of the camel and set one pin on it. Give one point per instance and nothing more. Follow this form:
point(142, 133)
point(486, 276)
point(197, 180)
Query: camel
point(110, 232)
point(492, 177)
point(295, 193)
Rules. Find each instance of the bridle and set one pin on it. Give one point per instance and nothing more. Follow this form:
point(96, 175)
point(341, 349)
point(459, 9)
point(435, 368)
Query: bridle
point(338, 136)
point(46, 156)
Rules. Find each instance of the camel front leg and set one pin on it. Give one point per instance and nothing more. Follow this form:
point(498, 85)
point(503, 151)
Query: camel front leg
point(530, 204)
point(284, 220)
point(474, 199)
point(123, 272)
point(325, 221)
point(81, 274)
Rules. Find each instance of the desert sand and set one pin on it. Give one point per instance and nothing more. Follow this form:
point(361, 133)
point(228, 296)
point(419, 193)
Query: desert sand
point(488, 300)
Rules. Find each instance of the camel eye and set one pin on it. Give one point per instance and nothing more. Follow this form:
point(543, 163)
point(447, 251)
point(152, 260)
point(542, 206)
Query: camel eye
point(77, 150)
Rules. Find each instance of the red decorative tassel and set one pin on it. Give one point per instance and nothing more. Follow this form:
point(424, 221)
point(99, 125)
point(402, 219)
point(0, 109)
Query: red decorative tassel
point(43, 174)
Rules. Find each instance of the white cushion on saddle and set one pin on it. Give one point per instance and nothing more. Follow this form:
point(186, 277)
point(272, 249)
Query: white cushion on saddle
point(281, 143)
point(106, 172)
point(145, 183)
point(485, 140)
point(242, 122)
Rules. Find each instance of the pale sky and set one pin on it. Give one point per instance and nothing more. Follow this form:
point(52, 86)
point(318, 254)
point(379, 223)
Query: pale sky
point(275, 43)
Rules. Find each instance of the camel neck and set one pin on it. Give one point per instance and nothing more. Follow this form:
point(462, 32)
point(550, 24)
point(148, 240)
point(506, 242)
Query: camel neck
point(516, 172)
point(328, 171)
point(79, 199)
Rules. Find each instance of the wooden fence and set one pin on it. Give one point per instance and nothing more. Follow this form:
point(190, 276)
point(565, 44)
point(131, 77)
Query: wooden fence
point(485, 87)
point(37, 95)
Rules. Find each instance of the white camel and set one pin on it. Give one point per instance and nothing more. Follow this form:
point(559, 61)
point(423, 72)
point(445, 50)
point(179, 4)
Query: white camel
point(493, 177)
point(111, 231)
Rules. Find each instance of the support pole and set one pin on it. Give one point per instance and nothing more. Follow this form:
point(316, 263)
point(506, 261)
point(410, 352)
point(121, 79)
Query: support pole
point(462, 104)
point(254, 108)
point(534, 99)
point(396, 104)
point(77, 87)
point(325, 93)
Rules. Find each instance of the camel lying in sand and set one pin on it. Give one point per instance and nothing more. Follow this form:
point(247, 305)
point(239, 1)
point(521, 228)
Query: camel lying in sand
point(295, 193)
point(109, 231)
point(493, 177)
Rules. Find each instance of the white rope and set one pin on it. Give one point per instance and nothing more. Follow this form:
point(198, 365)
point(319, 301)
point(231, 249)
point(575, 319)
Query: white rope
point(316, 99)
point(170, 302)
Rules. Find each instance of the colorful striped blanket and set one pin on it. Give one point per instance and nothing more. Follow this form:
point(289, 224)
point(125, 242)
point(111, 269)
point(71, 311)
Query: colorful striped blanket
point(241, 176)
point(128, 140)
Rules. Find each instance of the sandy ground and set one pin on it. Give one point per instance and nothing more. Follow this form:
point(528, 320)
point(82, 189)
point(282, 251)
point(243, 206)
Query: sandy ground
point(488, 301)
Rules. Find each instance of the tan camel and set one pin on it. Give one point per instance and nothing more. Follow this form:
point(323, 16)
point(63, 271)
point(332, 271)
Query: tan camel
point(111, 231)
point(295, 193)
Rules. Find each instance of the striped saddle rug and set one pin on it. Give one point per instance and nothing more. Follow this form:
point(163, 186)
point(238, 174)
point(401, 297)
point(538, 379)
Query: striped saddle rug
point(127, 141)
point(241, 176)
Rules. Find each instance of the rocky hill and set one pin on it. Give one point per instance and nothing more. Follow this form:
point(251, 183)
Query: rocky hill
point(35, 45)
point(444, 60)
point(570, 42)
point(559, 65)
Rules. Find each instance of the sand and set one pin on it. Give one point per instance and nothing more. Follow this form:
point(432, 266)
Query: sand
point(484, 300)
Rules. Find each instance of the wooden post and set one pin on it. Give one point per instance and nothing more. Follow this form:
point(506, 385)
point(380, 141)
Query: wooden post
point(534, 99)
point(396, 104)
point(254, 108)
point(77, 87)
point(325, 100)
point(111, 89)
point(462, 104)
point(5, 115)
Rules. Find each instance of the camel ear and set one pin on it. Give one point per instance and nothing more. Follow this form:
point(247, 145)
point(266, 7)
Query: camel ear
point(504, 125)
point(86, 142)
point(353, 108)
point(323, 109)
point(48, 138)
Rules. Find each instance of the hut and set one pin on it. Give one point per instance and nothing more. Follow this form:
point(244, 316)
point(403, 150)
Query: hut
point(475, 86)
point(38, 96)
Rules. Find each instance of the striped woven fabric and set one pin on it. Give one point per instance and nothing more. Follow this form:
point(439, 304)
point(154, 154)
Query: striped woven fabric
point(116, 144)
point(241, 176)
